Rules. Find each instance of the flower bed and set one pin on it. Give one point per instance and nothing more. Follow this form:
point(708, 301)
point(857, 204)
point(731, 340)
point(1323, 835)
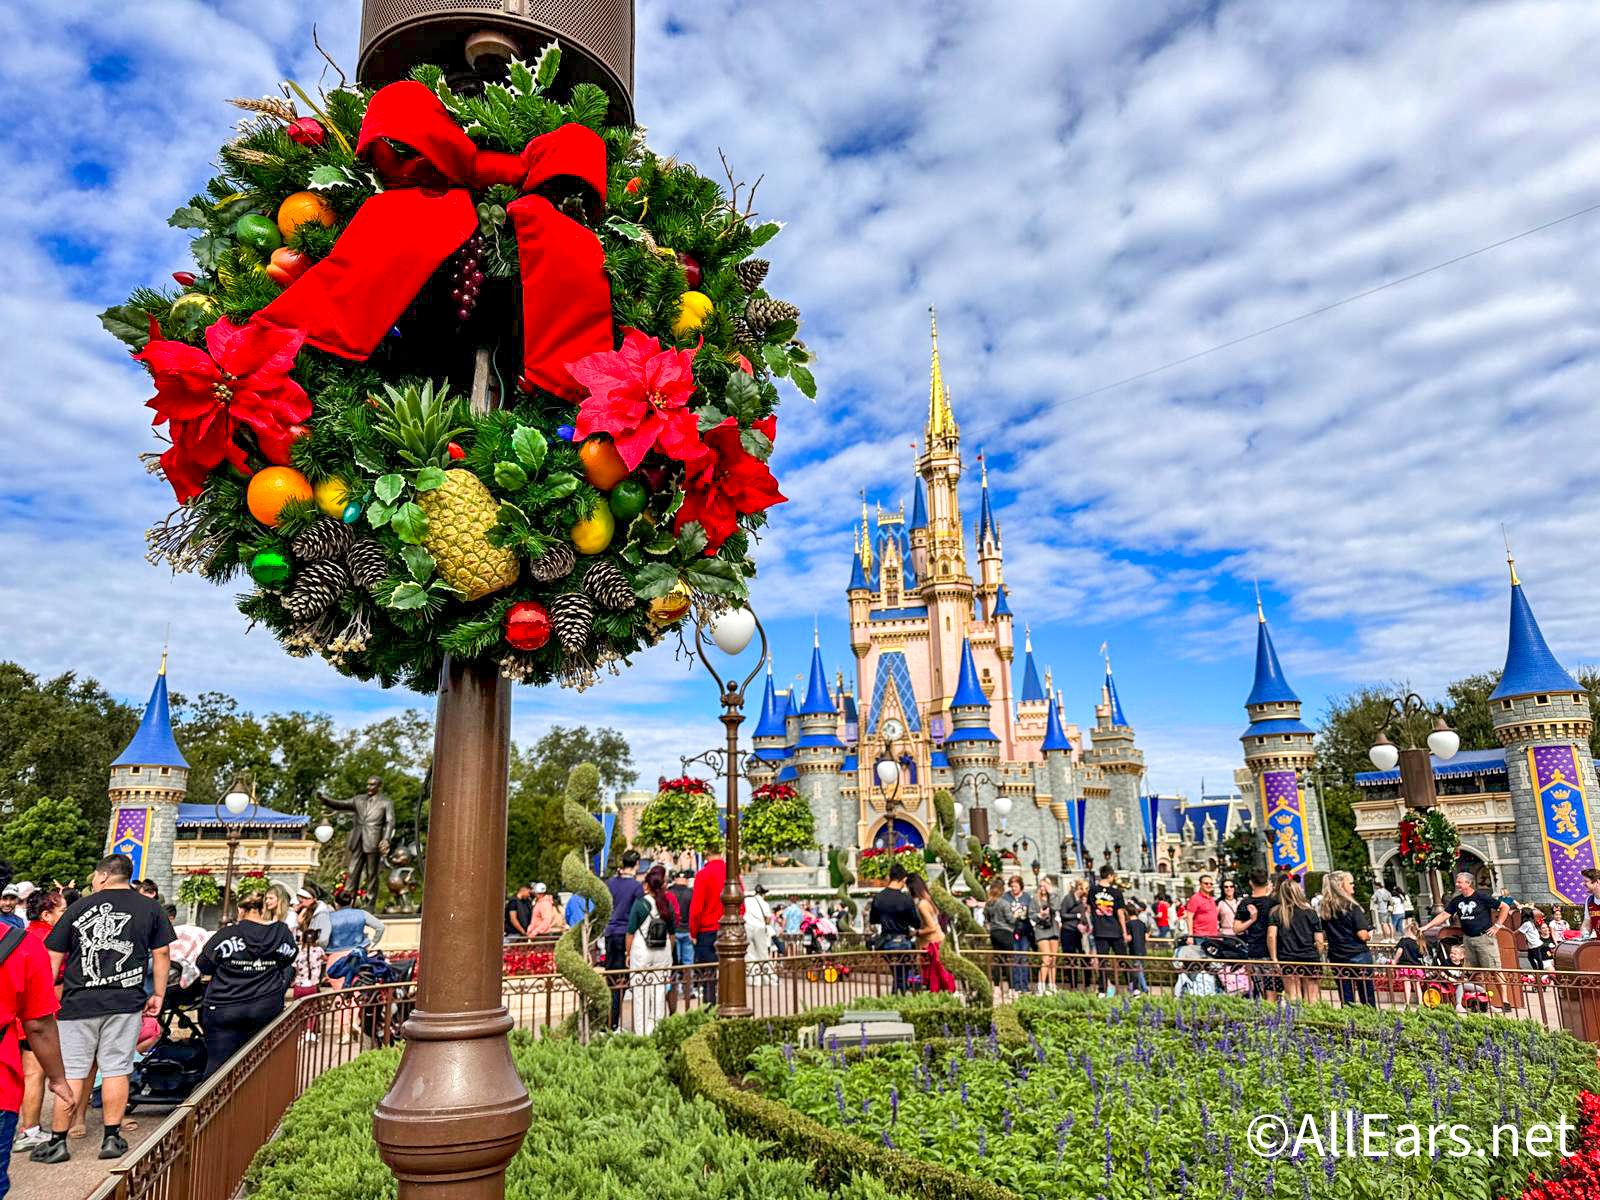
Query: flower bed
point(1155, 1099)
point(527, 962)
point(874, 863)
point(606, 1122)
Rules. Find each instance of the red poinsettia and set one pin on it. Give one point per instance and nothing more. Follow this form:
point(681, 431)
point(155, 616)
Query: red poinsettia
point(205, 397)
point(639, 395)
point(725, 481)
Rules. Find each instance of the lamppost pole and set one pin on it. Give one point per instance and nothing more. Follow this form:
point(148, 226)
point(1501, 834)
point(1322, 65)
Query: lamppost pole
point(239, 799)
point(1418, 789)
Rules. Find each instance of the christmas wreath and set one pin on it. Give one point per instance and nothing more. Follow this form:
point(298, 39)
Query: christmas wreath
point(1428, 841)
point(476, 375)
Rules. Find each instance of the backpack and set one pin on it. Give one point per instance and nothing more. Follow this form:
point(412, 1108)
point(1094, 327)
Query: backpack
point(655, 929)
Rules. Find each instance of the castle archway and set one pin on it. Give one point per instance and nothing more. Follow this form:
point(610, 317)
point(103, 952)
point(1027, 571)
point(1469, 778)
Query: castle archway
point(906, 833)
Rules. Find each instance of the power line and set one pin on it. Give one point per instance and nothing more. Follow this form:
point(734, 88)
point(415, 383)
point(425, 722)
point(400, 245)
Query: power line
point(1317, 312)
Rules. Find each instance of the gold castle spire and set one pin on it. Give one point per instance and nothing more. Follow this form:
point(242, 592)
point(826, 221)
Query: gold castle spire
point(866, 537)
point(1510, 561)
point(941, 421)
point(1260, 615)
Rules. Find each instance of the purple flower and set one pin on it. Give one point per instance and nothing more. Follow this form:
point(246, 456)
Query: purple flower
point(887, 1140)
point(838, 1096)
point(1005, 1119)
point(1108, 1156)
point(983, 1144)
point(963, 1092)
point(894, 1105)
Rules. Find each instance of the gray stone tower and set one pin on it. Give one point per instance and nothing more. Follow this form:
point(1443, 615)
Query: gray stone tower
point(1114, 821)
point(1279, 752)
point(971, 746)
point(1056, 780)
point(1542, 717)
point(149, 779)
point(818, 756)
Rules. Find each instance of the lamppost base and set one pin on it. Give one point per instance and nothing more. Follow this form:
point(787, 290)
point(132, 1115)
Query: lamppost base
point(457, 1111)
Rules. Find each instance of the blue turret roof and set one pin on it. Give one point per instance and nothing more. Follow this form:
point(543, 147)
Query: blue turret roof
point(986, 522)
point(858, 576)
point(1270, 685)
point(818, 699)
point(789, 709)
point(969, 692)
point(1055, 738)
point(1530, 667)
point(153, 744)
point(1032, 693)
point(1001, 607)
point(770, 723)
point(919, 507)
point(1116, 702)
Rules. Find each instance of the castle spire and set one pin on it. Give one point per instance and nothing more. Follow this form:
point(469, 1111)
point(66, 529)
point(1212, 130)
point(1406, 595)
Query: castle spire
point(1111, 691)
point(1270, 686)
point(153, 744)
point(986, 523)
point(866, 538)
point(941, 421)
point(1032, 693)
point(1055, 737)
point(1530, 666)
point(818, 699)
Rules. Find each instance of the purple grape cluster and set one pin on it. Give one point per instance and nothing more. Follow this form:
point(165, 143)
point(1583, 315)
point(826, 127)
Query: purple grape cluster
point(466, 277)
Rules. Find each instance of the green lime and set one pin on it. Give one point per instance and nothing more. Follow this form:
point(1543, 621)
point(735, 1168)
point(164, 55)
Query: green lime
point(258, 232)
point(628, 499)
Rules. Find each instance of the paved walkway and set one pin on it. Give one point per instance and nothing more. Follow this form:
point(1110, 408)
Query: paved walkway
point(78, 1178)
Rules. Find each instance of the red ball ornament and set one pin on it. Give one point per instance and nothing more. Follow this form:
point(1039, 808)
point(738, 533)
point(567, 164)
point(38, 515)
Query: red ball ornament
point(307, 131)
point(527, 625)
point(455, 451)
point(691, 269)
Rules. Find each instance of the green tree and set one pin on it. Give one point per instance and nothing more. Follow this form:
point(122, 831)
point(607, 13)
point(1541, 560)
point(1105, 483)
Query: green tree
point(57, 738)
point(536, 833)
point(50, 839)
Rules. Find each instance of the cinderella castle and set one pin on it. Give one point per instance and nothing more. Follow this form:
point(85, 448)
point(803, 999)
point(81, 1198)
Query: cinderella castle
point(939, 690)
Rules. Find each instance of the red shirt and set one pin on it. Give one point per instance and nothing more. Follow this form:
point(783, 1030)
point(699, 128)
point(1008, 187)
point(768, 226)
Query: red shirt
point(1202, 911)
point(705, 903)
point(27, 991)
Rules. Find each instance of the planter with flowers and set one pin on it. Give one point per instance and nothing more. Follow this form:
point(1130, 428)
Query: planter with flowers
point(199, 889)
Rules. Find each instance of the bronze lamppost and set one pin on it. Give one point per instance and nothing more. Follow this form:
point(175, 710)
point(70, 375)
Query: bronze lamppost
point(731, 632)
point(1417, 786)
point(239, 801)
point(977, 815)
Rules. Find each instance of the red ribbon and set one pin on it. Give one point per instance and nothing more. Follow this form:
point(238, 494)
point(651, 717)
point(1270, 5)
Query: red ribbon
point(347, 302)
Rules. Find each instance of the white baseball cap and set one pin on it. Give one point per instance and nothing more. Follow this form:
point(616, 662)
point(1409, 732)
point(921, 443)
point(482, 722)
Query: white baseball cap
point(10, 892)
point(539, 889)
point(26, 888)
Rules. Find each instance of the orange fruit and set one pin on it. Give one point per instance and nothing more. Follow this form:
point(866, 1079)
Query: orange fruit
point(303, 208)
point(602, 465)
point(273, 487)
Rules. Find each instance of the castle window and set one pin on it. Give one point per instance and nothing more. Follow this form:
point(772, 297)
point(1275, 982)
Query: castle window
point(166, 770)
point(1288, 737)
point(1505, 704)
point(1541, 699)
point(133, 770)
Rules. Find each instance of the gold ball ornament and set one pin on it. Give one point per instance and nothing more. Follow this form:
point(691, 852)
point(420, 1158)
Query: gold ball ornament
point(593, 534)
point(693, 310)
point(193, 310)
point(331, 496)
point(672, 607)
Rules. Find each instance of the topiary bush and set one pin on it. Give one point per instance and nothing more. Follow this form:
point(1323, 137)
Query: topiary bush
point(583, 792)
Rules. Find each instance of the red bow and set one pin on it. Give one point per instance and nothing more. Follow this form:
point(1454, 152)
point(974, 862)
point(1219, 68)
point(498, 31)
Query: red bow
point(347, 302)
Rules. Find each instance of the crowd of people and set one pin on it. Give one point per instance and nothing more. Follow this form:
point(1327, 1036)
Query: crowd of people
point(88, 976)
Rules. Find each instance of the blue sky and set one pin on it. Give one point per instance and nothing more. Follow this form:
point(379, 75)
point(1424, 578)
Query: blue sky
point(1086, 191)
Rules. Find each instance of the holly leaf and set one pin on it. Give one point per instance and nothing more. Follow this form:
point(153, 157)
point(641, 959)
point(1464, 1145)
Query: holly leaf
point(630, 554)
point(368, 461)
point(755, 443)
point(519, 77)
point(510, 476)
point(661, 544)
point(691, 539)
point(805, 381)
point(388, 487)
point(409, 522)
point(798, 353)
point(654, 579)
point(430, 478)
point(418, 561)
point(714, 575)
point(765, 232)
point(188, 217)
point(782, 331)
point(208, 250)
point(777, 361)
point(743, 396)
point(546, 65)
point(328, 176)
point(626, 229)
point(710, 417)
point(408, 595)
point(560, 485)
point(528, 444)
point(229, 209)
point(379, 514)
point(127, 324)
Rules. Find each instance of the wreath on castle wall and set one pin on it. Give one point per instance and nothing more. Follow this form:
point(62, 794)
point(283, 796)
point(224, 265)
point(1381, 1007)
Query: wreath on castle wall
point(366, 275)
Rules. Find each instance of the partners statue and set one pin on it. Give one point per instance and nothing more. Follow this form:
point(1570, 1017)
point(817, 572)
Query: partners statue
point(371, 828)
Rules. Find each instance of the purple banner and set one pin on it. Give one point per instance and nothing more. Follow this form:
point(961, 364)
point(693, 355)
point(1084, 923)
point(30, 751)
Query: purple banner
point(1283, 808)
point(1564, 819)
point(130, 833)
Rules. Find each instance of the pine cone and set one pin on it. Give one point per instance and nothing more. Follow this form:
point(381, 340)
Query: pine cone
point(328, 538)
point(555, 563)
point(316, 587)
point(572, 618)
point(743, 335)
point(763, 314)
point(368, 564)
point(608, 586)
point(751, 272)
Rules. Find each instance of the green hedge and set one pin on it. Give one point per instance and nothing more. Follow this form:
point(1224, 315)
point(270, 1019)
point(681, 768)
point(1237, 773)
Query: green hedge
point(606, 1123)
point(836, 1158)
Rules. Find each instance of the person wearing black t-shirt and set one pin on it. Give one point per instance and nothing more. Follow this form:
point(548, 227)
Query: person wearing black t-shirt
point(519, 911)
point(1345, 924)
point(1295, 942)
point(1250, 920)
point(894, 912)
point(1477, 912)
point(250, 963)
point(1108, 923)
point(1138, 947)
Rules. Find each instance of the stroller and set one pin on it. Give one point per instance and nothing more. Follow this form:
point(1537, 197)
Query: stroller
point(381, 1016)
point(1446, 984)
point(174, 1066)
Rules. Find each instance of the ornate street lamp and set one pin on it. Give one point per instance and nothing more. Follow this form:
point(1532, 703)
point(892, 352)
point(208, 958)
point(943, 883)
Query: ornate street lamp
point(239, 799)
point(731, 632)
point(1117, 850)
point(1417, 786)
point(977, 815)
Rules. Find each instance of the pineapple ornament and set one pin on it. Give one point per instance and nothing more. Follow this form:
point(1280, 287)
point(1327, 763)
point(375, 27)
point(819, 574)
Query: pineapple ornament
point(460, 511)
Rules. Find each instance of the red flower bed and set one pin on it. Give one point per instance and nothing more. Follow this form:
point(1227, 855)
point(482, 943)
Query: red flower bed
point(1578, 1177)
point(528, 962)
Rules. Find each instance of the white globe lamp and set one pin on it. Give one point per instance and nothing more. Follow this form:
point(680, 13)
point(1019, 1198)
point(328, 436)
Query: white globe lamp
point(733, 629)
point(888, 773)
point(1002, 805)
point(1443, 741)
point(323, 832)
point(1385, 755)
